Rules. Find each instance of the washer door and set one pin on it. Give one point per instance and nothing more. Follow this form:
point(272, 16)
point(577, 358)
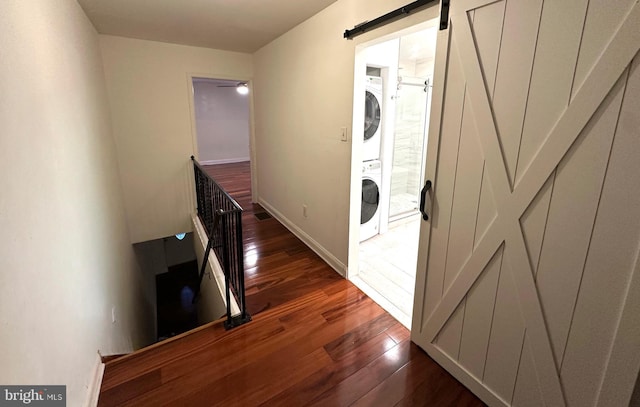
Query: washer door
point(370, 200)
point(371, 115)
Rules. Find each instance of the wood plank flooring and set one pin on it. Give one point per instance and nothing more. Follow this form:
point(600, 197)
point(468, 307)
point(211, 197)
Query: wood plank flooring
point(315, 339)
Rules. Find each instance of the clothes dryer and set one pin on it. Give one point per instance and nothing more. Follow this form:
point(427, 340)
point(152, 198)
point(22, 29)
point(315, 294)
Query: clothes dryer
point(372, 119)
point(370, 206)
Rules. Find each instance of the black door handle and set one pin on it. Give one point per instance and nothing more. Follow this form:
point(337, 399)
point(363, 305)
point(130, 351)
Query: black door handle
point(423, 199)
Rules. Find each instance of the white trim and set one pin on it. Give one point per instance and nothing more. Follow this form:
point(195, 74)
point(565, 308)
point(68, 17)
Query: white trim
point(215, 266)
point(93, 391)
point(324, 254)
point(224, 161)
point(253, 161)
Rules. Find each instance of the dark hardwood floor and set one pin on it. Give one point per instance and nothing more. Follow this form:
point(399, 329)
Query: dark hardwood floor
point(315, 339)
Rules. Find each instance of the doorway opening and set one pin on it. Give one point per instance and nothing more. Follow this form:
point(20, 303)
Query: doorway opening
point(221, 109)
point(393, 81)
point(221, 115)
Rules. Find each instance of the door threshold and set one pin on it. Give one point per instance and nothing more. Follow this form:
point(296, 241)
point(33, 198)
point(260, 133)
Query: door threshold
point(395, 312)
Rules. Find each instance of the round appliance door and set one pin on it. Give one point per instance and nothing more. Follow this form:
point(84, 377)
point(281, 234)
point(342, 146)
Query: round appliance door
point(371, 115)
point(370, 200)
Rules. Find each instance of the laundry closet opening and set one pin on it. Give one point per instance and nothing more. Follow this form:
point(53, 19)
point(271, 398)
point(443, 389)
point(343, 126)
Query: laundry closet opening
point(393, 82)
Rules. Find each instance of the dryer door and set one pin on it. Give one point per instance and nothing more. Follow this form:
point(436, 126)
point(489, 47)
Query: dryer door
point(370, 200)
point(371, 115)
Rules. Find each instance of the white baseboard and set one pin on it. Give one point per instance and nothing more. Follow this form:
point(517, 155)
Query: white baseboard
point(320, 250)
point(224, 161)
point(93, 392)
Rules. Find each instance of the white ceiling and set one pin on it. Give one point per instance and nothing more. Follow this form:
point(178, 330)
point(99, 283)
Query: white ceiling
point(419, 46)
point(234, 25)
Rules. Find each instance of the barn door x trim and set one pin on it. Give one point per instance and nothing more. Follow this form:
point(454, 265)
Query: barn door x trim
point(512, 198)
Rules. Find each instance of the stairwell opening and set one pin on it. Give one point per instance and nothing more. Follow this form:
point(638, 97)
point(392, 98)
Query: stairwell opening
point(171, 268)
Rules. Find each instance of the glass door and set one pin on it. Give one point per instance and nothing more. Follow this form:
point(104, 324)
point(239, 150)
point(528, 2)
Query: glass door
point(412, 105)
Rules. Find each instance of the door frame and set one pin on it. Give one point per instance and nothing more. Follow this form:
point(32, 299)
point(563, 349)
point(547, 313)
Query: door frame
point(252, 136)
point(424, 19)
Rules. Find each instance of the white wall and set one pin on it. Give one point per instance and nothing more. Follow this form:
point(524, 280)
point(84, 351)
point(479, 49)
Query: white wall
point(222, 122)
point(65, 256)
point(303, 95)
point(150, 93)
point(384, 54)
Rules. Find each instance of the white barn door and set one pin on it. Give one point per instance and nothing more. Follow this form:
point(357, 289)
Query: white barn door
point(527, 288)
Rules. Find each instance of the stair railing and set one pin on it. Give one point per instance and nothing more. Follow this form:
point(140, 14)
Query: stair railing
point(221, 217)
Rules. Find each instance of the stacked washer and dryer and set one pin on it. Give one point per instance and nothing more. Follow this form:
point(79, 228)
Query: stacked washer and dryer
point(371, 165)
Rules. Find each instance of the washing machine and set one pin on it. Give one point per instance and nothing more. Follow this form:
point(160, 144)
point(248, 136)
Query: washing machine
point(370, 209)
point(372, 119)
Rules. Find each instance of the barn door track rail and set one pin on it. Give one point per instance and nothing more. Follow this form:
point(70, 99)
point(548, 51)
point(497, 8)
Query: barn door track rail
point(398, 14)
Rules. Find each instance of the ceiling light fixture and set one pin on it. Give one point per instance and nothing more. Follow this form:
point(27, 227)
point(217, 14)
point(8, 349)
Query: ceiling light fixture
point(242, 88)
